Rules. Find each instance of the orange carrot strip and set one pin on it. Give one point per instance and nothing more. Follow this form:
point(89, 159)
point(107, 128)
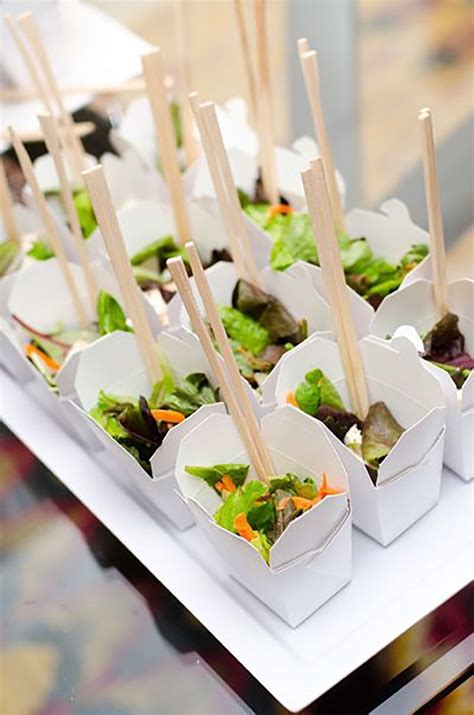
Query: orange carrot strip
point(291, 399)
point(303, 503)
point(279, 209)
point(219, 486)
point(243, 528)
point(172, 416)
point(326, 490)
point(48, 361)
point(228, 484)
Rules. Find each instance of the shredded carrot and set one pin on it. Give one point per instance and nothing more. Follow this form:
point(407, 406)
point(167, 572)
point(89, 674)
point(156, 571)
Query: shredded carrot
point(282, 503)
point(219, 486)
point(228, 483)
point(243, 528)
point(172, 416)
point(291, 399)
point(48, 361)
point(279, 209)
point(325, 490)
point(303, 503)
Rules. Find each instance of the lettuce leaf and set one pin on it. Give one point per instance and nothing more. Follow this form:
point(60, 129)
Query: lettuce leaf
point(245, 330)
point(40, 251)
point(263, 545)
point(162, 249)
point(110, 315)
point(317, 390)
point(292, 484)
point(380, 432)
point(239, 502)
point(85, 212)
point(270, 313)
point(211, 475)
point(193, 392)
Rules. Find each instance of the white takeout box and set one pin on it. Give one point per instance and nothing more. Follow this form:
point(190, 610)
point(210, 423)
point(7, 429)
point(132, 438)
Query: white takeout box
point(311, 560)
point(409, 478)
point(137, 129)
point(38, 296)
point(293, 288)
point(414, 305)
point(114, 364)
point(144, 221)
point(290, 162)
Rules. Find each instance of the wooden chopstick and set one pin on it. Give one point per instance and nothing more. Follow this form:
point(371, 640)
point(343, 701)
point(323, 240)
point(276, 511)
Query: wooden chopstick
point(435, 216)
point(317, 197)
point(309, 66)
point(154, 73)
point(50, 227)
point(110, 229)
point(72, 142)
point(52, 141)
point(181, 280)
point(245, 44)
point(8, 213)
point(227, 354)
point(264, 108)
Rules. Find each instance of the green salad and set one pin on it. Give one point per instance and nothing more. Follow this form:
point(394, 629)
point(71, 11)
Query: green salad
point(48, 351)
point(257, 512)
point(445, 346)
point(140, 425)
point(8, 253)
point(260, 330)
point(371, 439)
point(370, 276)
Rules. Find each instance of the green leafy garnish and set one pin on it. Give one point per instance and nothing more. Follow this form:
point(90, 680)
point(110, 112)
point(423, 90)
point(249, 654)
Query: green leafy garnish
point(110, 315)
point(239, 502)
point(211, 475)
point(317, 390)
point(40, 251)
point(194, 392)
point(162, 249)
point(380, 433)
point(85, 212)
point(244, 329)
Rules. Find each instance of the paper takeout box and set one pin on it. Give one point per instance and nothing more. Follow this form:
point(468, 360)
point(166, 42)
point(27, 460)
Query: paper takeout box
point(290, 162)
point(414, 306)
point(144, 221)
point(311, 560)
point(137, 129)
point(293, 288)
point(409, 478)
point(39, 297)
point(114, 364)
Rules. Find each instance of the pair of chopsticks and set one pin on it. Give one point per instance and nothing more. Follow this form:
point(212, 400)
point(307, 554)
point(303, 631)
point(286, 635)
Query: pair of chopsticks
point(30, 45)
point(224, 186)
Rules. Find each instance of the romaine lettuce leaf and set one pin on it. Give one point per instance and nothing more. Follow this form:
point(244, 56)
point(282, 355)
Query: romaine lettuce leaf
point(239, 502)
point(40, 251)
point(85, 212)
point(8, 251)
point(110, 315)
point(211, 475)
point(245, 330)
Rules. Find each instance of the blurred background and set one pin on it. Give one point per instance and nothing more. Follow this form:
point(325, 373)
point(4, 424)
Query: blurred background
point(380, 62)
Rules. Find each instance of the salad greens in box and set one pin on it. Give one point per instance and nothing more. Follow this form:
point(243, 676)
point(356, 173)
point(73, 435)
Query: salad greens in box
point(257, 512)
point(371, 439)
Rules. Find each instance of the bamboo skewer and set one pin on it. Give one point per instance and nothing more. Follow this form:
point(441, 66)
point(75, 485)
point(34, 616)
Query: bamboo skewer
point(220, 189)
point(181, 280)
point(309, 66)
point(226, 351)
point(29, 61)
point(264, 109)
point(319, 206)
point(244, 41)
point(208, 112)
point(49, 225)
point(72, 141)
point(109, 226)
point(154, 73)
point(435, 217)
point(51, 138)
point(82, 129)
point(191, 146)
point(8, 212)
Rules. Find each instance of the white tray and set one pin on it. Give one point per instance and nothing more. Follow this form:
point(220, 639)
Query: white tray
point(392, 587)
